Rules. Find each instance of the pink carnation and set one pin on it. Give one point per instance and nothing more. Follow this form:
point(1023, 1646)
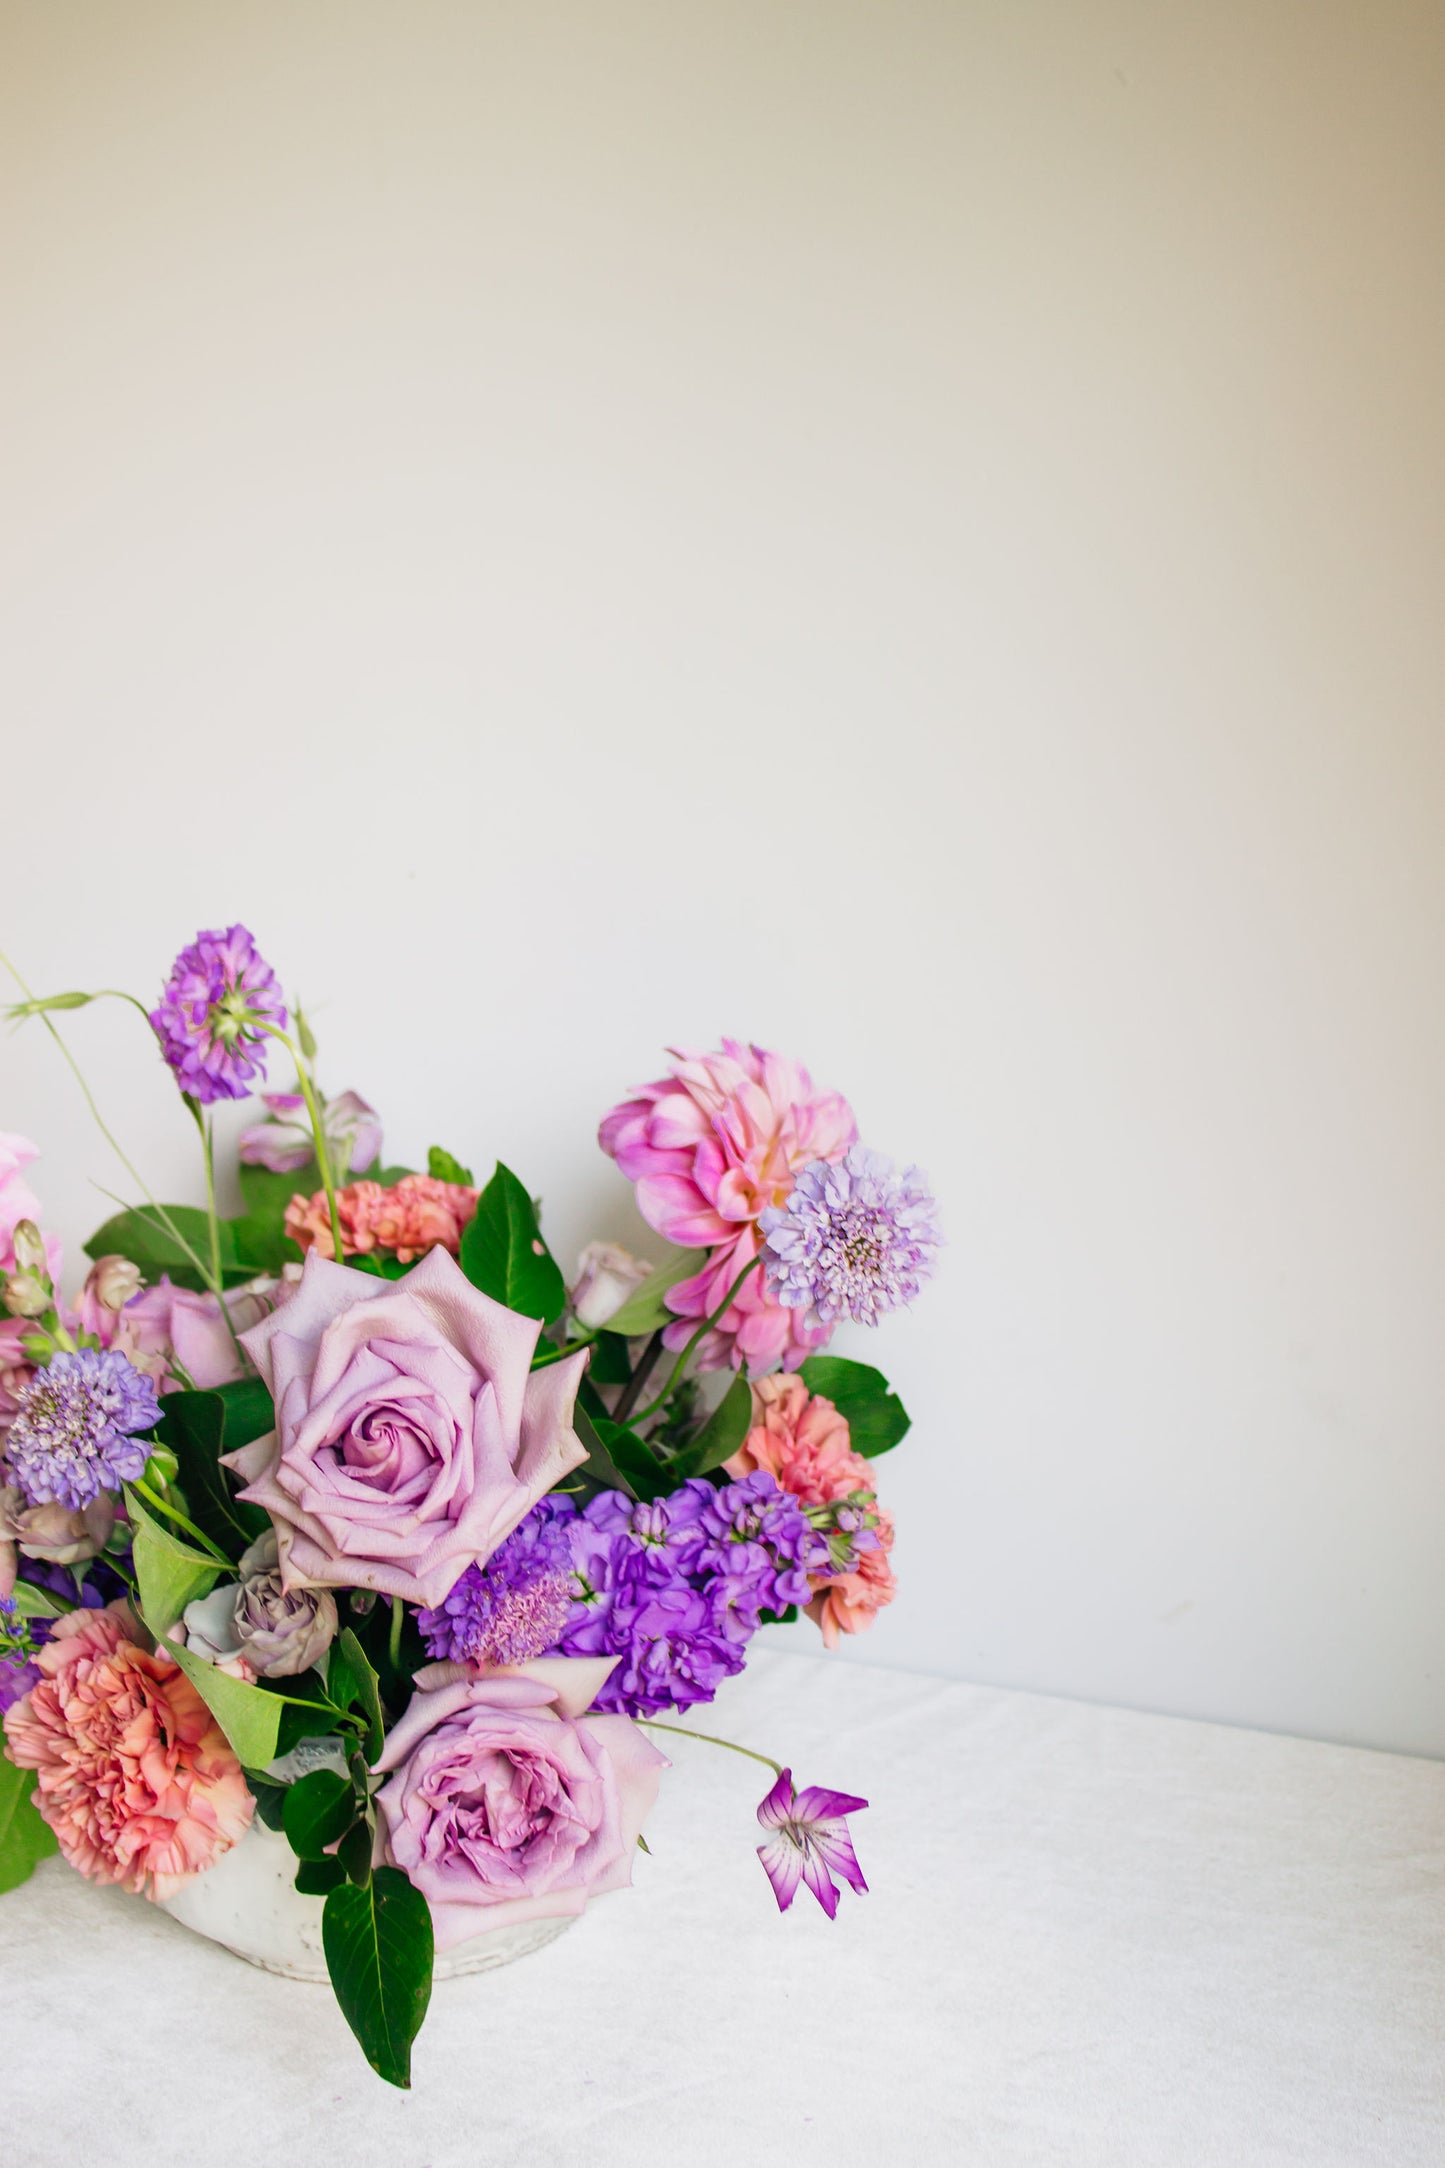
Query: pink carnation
point(710, 1146)
point(801, 1440)
point(417, 1215)
point(851, 1602)
point(135, 1776)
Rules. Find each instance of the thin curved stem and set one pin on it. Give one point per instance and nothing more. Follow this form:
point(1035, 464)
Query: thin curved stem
point(308, 1093)
point(709, 1738)
point(172, 1513)
point(706, 1326)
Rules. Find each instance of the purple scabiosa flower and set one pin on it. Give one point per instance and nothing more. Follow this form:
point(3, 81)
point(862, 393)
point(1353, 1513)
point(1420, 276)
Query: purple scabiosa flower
point(854, 1240)
point(218, 992)
point(809, 1837)
point(514, 1606)
point(677, 1587)
point(73, 1434)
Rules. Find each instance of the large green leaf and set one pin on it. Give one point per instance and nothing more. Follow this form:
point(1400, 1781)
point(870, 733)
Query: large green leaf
point(199, 1428)
point(250, 1716)
point(721, 1434)
point(317, 1811)
point(259, 1235)
point(24, 1838)
point(502, 1251)
point(876, 1417)
point(351, 1682)
point(379, 1947)
point(645, 1475)
point(644, 1309)
point(140, 1236)
point(599, 1467)
point(169, 1571)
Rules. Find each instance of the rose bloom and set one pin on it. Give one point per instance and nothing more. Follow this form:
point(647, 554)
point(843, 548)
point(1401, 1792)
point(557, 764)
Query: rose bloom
point(802, 1441)
point(165, 1326)
point(57, 1534)
point(709, 1147)
point(134, 1774)
point(505, 1802)
point(411, 1433)
point(850, 1603)
point(417, 1215)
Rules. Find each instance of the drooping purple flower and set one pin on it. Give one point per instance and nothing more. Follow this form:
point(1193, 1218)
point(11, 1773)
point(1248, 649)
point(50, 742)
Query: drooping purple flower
point(676, 1587)
point(219, 991)
point(854, 1240)
point(514, 1606)
point(809, 1842)
point(73, 1434)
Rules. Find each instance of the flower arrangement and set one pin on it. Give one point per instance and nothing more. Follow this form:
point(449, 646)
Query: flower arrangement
point(347, 1519)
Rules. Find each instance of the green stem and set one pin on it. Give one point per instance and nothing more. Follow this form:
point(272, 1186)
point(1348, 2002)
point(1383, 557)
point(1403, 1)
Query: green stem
point(159, 1209)
point(208, 1156)
point(650, 1723)
point(706, 1326)
point(560, 1354)
point(308, 1093)
point(394, 1643)
point(159, 1505)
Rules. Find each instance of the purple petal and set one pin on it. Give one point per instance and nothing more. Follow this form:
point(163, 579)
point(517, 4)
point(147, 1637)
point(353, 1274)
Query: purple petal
point(816, 1875)
point(819, 1805)
point(778, 1806)
point(783, 1865)
point(834, 1847)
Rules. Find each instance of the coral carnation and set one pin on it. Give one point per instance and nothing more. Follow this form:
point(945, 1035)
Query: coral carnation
point(710, 1147)
point(418, 1215)
point(850, 1602)
point(803, 1442)
point(135, 1777)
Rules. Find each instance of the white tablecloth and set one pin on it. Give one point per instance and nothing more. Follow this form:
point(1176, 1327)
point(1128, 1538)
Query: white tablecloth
point(1092, 1937)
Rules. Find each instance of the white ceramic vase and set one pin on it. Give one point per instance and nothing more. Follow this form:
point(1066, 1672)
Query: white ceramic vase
point(248, 1902)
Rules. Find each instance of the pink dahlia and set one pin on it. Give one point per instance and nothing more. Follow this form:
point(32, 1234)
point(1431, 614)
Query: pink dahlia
point(710, 1147)
point(417, 1215)
point(134, 1775)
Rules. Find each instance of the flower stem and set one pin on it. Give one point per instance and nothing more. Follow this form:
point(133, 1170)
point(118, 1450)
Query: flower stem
point(394, 1643)
point(650, 1723)
point(706, 1326)
point(159, 1209)
point(308, 1093)
point(159, 1505)
point(559, 1354)
point(632, 1391)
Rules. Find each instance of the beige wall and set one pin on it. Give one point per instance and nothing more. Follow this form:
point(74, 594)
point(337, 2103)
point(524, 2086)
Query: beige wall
point(913, 532)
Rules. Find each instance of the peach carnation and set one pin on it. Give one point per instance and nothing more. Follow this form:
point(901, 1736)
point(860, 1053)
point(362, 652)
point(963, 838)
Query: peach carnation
point(851, 1602)
point(802, 1441)
point(418, 1214)
point(135, 1776)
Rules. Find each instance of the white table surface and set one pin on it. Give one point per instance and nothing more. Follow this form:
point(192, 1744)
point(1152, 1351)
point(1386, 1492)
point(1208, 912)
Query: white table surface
point(1092, 1937)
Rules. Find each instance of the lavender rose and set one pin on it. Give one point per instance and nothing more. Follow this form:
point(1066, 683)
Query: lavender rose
point(506, 1803)
point(410, 1437)
point(280, 1631)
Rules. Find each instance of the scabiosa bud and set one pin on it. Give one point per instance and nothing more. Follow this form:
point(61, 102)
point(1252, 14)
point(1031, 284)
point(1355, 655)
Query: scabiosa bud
point(854, 1240)
point(218, 994)
point(74, 1433)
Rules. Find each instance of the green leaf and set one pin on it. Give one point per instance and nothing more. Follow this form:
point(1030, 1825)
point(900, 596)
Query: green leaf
point(170, 1572)
point(876, 1417)
point(317, 1812)
point(645, 1475)
point(609, 1364)
point(351, 1674)
point(442, 1167)
point(198, 1428)
point(24, 1838)
point(248, 1715)
point(140, 1236)
point(388, 1177)
point(379, 1948)
point(599, 1467)
point(504, 1255)
point(270, 1797)
point(644, 1309)
point(33, 1602)
point(260, 1237)
point(319, 1877)
point(720, 1436)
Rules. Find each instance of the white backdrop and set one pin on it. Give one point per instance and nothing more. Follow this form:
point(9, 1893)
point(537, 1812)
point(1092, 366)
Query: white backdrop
point(909, 532)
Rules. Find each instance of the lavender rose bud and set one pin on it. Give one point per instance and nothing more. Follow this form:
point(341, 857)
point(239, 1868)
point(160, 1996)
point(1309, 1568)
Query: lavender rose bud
point(607, 1275)
point(281, 1634)
point(208, 1629)
point(55, 1533)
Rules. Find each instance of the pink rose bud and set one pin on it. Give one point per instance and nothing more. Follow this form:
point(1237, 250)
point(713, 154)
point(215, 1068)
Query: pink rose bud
point(606, 1276)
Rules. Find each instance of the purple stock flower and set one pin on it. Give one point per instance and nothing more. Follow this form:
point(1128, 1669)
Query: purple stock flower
point(809, 1837)
point(218, 992)
point(514, 1606)
point(72, 1433)
point(677, 1587)
point(283, 1143)
point(853, 1240)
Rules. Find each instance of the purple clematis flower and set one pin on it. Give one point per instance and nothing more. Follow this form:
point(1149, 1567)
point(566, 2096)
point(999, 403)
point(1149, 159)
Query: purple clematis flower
point(853, 1240)
point(809, 1837)
point(219, 993)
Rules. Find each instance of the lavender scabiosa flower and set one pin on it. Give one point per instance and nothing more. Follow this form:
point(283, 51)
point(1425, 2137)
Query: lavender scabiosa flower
point(74, 1433)
point(514, 1606)
point(219, 993)
point(808, 1837)
point(854, 1240)
point(677, 1587)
